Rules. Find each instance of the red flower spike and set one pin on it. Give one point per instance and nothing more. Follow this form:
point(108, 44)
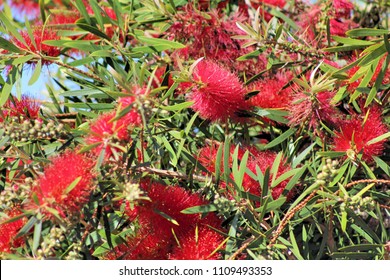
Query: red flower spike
point(40, 35)
point(27, 107)
point(355, 134)
point(198, 246)
point(104, 129)
point(162, 223)
point(59, 175)
point(209, 35)
point(217, 94)
point(8, 231)
point(343, 8)
point(271, 93)
point(313, 110)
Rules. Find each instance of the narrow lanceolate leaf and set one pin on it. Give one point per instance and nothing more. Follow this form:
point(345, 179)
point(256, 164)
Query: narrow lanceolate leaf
point(27, 227)
point(72, 185)
point(36, 74)
point(166, 216)
point(382, 164)
point(158, 41)
point(7, 45)
point(363, 32)
point(379, 138)
point(178, 107)
point(283, 137)
point(37, 235)
point(200, 209)
point(93, 30)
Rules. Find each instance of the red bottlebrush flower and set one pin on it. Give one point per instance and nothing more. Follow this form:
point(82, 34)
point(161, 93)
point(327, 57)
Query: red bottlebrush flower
point(161, 222)
point(342, 8)
point(355, 134)
point(8, 232)
point(59, 175)
point(198, 246)
point(170, 200)
point(207, 156)
point(40, 35)
point(271, 93)
point(26, 107)
point(65, 17)
point(307, 23)
point(209, 35)
point(218, 94)
point(339, 27)
point(105, 129)
point(310, 110)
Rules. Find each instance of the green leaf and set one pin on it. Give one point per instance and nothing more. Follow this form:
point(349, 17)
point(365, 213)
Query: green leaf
point(160, 42)
point(167, 217)
point(378, 139)
point(295, 247)
point(11, 28)
point(27, 227)
point(102, 53)
point(12, 77)
point(13, 219)
point(370, 58)
point(232, 234)
point(330, 154)
point(360, 247)
point(36, 74)
point(7, 45)
point(382, 164)
point(178, 107)
point(275, 12)
point(271, 206)
point(83, 10)
point(352, 42)
point(72, 185)
point(254, 54)
point(200, 209)
point(93, 106)
point(22, 59)
point(344, 221)
point(92, 29)
point(353, 255)
point(37, 235)
point(284, 136)
point(97, 12)
point(363, 32)
point(298, 159)
point(172, 153)
point(4, 140)
point(81, 92)
point(105, 247)
point(226, 160)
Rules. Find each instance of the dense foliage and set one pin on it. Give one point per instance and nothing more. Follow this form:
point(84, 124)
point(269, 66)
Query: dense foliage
point(176, 129)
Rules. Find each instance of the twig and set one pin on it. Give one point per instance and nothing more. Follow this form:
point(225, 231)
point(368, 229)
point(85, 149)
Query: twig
point(384, 206)
point(378, 181)
point(288, 217)
point(174, 174)
point(242, 248)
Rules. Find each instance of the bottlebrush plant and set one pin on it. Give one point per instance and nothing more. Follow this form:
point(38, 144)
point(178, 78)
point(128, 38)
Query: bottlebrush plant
point(173, 129)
